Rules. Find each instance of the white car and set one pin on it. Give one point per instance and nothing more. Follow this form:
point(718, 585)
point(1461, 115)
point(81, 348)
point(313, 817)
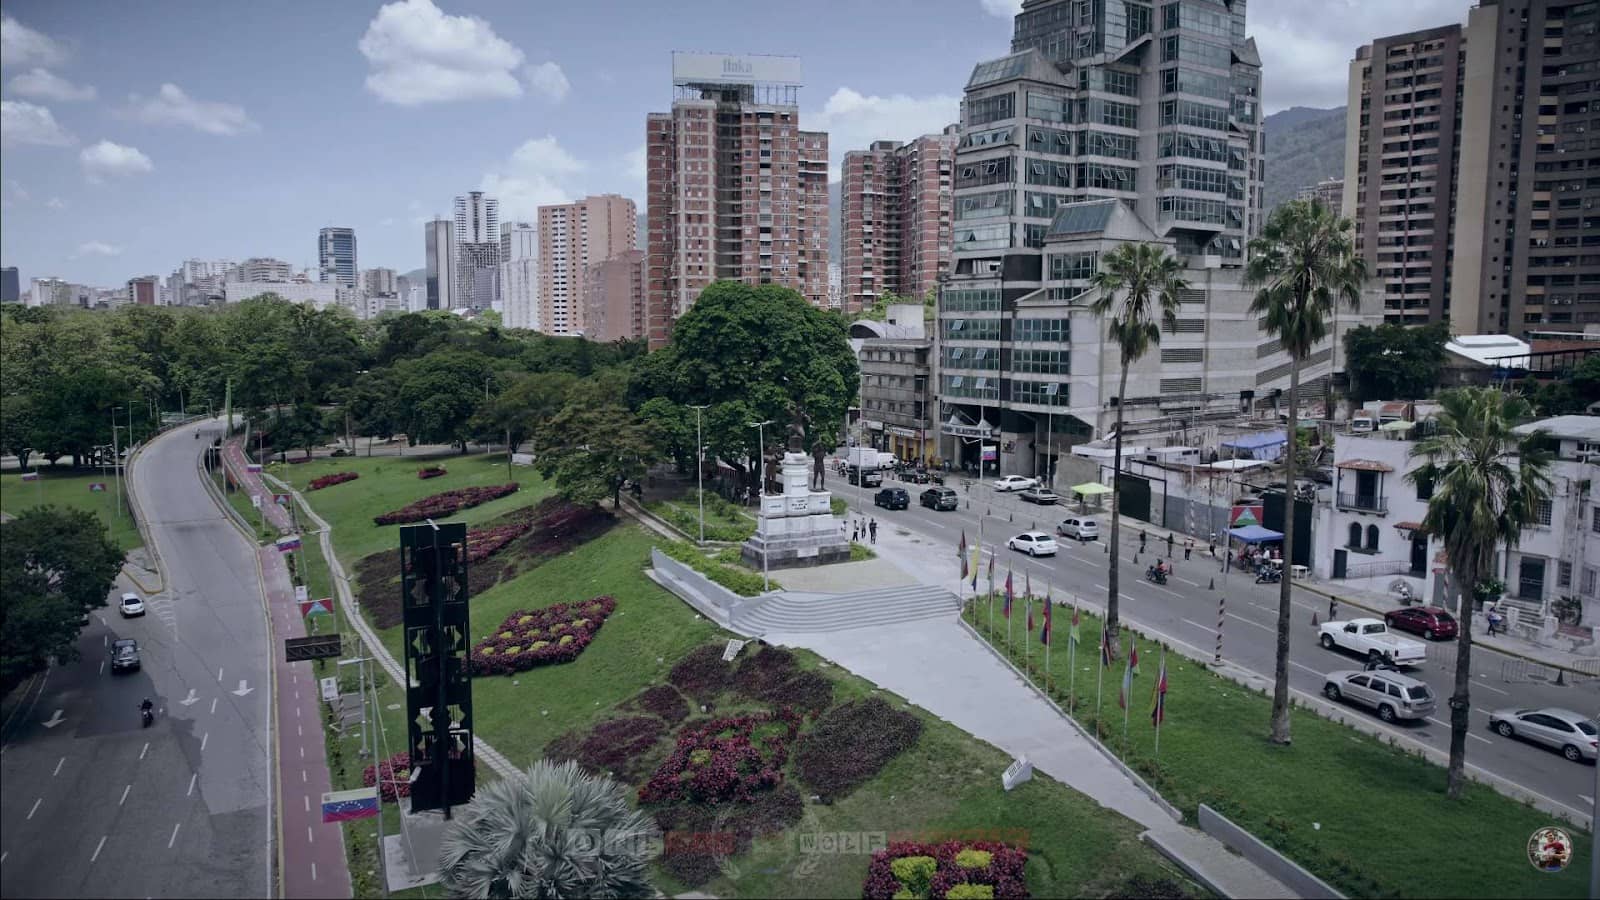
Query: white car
point(1015, 483)
point(1033, 543)
point(1372, 639)
point(1573, 734)
point(1393, 695)
point(131, 605)
point(1079, 528)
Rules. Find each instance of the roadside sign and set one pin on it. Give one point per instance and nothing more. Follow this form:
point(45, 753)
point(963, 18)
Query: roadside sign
point(255, 501)
point(300, 593)
point(330, 688)
point(317, 646)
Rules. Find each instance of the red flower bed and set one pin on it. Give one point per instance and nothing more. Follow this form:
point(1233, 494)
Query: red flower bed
point(318, 484)
point(725, 759)
point(304, 459)
point(448, 503)
point(1002, 869)
point(554, 634)
point(485, 542)
point(430, 472)
point(396, 777)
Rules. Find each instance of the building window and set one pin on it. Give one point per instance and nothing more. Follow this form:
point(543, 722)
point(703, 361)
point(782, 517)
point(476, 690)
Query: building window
point(1542, 512)
point(1595, 527)
point(1073, 266)
point(1030, 330)
point(1354, 541)
point(1563, 574)
point(1372, 538)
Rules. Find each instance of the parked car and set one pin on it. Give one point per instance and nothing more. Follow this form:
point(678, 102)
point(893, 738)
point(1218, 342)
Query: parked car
point(939, 498)
point(131, 605)
point(1560, 729)
point(125, 655)
point(1015, 483)
point(1033, 543)
point(1393, 695)
point(1372, 639)
point(1081, 528)
point(892, 498)
point(1434, 623)
point(1041, 496)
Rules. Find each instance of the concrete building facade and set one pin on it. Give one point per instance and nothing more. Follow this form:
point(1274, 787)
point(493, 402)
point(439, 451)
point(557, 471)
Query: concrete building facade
point(144, 290)
point(379, 282)
point(477, 250)
point(572, 238)
point(439, 250)
point(614, 298)
point(336, 256)
point(1329, 192)
point(735, 189)
point(263, 269)
point(895, 218)
point(315, 293)
point(10, 285)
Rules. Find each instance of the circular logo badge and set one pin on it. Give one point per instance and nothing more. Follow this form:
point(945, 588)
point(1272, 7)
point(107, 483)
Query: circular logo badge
point(1550, 849)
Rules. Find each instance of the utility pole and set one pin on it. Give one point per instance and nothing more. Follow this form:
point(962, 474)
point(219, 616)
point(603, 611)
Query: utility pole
point(699, 470)
point(761, 442)
point(509, 476)
point(116, 459)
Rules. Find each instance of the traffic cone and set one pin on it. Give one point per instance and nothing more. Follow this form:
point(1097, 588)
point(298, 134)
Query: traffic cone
point(1314, 620)
point(1213, 585)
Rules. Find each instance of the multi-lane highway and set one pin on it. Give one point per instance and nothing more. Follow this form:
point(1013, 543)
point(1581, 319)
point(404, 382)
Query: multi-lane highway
point(1186, 608)
point(95, 804)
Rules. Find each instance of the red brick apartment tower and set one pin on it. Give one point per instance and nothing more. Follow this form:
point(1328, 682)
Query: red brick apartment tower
point(896, 217)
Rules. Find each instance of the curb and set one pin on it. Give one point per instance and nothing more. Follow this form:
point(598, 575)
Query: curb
point(1151, 837)
point(138, 522)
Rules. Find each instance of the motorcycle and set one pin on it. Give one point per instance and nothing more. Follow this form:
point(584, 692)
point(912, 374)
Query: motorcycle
point(1269, 576)
point(1155, 575)
point(148, 716)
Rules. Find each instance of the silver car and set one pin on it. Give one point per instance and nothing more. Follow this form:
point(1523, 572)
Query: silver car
point(1393, 695)
point(1573, 734)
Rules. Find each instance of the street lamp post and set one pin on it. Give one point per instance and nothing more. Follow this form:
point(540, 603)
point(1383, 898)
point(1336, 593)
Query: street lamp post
point(699, 470)
point(28, 452)
point(761, 443)
point(116, 458)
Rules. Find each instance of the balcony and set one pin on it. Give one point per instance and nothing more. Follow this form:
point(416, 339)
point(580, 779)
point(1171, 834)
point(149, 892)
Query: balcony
point(1363, 503)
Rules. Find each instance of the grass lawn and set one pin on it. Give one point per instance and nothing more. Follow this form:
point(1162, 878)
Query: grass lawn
point(388, 483)
point(1356, 812)
point(67, 487)
point(724, 520)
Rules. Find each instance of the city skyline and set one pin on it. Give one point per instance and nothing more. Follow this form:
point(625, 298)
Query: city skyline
point(85, 163)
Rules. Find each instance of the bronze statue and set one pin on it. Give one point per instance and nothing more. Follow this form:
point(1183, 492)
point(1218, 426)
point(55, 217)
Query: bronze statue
point(818, 451)
point(797, 429)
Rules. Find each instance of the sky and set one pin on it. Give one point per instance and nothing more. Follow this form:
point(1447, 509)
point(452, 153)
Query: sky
point(137, 135)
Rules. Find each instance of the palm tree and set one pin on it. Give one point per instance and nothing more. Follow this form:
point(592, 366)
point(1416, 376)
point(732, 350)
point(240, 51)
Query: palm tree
point(1487, 482)
point(1303, 264)
point(551, 832)
point(1148, 280)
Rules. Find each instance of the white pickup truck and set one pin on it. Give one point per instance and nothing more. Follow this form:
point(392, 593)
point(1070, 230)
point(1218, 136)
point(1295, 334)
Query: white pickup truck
point(1373, 639)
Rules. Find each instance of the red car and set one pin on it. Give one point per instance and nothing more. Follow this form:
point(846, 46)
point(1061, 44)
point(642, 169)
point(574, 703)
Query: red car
point(1432, 622)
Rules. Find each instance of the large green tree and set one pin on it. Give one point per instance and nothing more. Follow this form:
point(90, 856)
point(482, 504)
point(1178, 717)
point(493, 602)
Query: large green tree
point(1488, 482)
point(1138, 287)
point(1302, 266)
point(595, 443)
point(523, 406)
point(440, 393)
point(753, 353)
point(1395, 362)
point(55, 565)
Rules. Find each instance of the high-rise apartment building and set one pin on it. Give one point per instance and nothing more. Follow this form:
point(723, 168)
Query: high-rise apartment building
point(1329, 192)
point(613, 299)
point(1154, 106)
point(518, 240)
point(336, 256)
point(261, 269)
point(379, 283)
point(519, 275)
point(895, 220)
point(144, 290)
point(734, 188)
point(439, 250)
point(10, 285)
point(1401, 149)
point(1527, 249)
point(477, 249)
point(572, 238)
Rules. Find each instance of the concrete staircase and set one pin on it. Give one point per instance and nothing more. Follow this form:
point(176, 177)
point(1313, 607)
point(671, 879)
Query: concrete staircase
point(810, 613)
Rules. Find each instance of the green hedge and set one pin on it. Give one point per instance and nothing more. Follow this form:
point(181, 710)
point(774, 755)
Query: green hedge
point(724, 522)
point(739, 580)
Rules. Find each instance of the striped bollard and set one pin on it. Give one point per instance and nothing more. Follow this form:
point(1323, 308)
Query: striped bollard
point(1222, 603)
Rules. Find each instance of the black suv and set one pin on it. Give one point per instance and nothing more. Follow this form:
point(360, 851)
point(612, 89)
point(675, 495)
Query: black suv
point(892, 498)
point(940, 498)
point(125, 655)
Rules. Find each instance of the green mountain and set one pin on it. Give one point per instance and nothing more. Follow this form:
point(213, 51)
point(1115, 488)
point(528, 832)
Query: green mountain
point(1304, 146)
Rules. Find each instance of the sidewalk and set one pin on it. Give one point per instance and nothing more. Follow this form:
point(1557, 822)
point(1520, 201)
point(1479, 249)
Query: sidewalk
point(308, 867)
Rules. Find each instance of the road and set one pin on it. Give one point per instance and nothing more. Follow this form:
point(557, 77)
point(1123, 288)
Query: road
point(1186, 608)
point(96, 805)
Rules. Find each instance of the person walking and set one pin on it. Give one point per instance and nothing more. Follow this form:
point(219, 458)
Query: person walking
point(872, 526)
point(1142, 537)
point(1188, 547)
point(1169, 543)
point(855, 533)
point(1333, 609)
point(1211, 545)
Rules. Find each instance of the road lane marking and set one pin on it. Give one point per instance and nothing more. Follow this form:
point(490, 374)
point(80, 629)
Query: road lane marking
point(213, 705)
point(302, 776)
point(219, 674)
point(105, 640)
point(297, 712)
point(174, 839)
point(313, 871)
point(203, 738)
point(1206, 628)
point(125, 795)
point(1186, 581)
point(97, 848)
point(145, 750)
point(1491, 688)
point(1248, 622)
point(8, 853)
point(1586, 798)
point(35, 807)
point(59, 763)
point(1307, 668)
point(302, 752)
point(310, 838)
point(299, 731)
point(1469, 734)
point(192, 779)
point(102, 667)
point(307, 799)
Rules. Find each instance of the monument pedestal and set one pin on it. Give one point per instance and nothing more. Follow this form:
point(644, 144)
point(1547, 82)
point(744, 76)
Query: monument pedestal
point(796, 527)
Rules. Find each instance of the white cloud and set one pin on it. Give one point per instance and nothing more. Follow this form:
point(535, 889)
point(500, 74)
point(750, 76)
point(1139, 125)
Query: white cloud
point(417, 55)
point(22, 46)
point(22, 122)
point(1004, 9)
point(56, 203)
point(538, 173)
point(547, 78)
point(854, 121)
point(109, 160)
point(171, 106)
point(98, 248)
point(42, 85)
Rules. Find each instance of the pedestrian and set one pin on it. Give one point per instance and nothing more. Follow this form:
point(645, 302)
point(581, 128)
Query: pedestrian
point(1227, 560)
point(1142, 537)
point(873, 527)
point(1333, 609)
point(855, 533)
point(1188, 547)
point(1169, 543)
point(1211, 545)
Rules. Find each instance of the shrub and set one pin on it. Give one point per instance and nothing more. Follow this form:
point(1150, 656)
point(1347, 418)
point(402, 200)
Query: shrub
point(1140, 886)
point(900, 869)
point(838, 506)
point(973, 859)
point(664, 702)
point(915, 872)
point(969, 891)
point(616, 746)
point(431, 472)
point(737, 579)
point(325, 481)
point(396, 782)
point(295, 462)
point(724, 524)
point(533, 642)
point(702, 674)
point(439, 506)
point(851, 743)
point(772, 676)
point(746, 756)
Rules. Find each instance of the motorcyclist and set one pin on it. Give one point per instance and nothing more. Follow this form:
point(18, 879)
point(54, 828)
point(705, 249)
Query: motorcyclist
point(146, 706)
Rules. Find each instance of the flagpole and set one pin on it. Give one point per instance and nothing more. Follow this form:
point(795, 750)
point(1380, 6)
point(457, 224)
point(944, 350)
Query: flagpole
point(1047, 614)
point(1072, 662)
point(1027, 642)
point(1128, 700)
point(1160, 713)
point(1100, 681)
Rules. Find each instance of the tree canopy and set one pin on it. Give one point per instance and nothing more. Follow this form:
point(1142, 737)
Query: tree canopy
point(1395, 362)
point(55, 565)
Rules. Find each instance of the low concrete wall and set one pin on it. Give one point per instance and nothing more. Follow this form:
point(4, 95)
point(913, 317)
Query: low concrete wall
point(713, 601)
point(1277, 865)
